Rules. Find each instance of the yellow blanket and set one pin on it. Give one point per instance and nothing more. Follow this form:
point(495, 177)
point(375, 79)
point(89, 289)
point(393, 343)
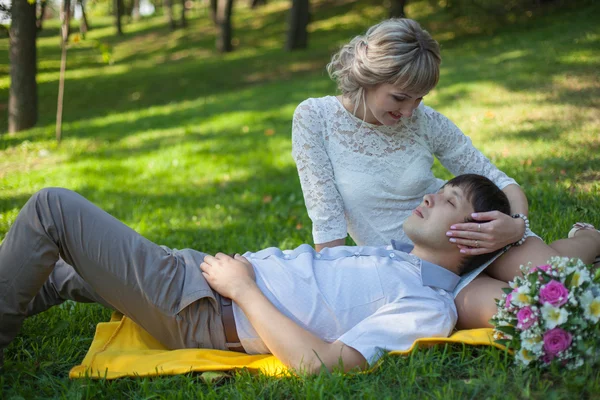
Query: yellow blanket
point(121, 348)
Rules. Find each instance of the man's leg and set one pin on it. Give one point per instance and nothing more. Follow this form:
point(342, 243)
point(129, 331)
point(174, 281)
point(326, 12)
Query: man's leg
point(133, 275)
point(63, 284)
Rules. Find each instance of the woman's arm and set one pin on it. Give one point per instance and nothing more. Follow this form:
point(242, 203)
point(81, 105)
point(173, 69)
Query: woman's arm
point(333, 243)
point(293, 345)
point(457, 153)
point(323, 201)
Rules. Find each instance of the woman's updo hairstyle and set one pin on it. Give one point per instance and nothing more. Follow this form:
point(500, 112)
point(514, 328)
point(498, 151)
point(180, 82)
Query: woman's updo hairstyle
point(396, 51)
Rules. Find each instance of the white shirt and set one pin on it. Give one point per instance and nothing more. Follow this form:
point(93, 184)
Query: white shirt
point(365, 179)
point(372, 299)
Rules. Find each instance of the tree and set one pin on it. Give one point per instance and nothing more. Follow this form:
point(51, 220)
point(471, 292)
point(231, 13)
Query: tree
point(170, 19)
point(213, 10)
point(135, 10)
point(257, 3)
point(183, 20)
point(40, 18)
point(118, 9)
point(297, 37)
point(84, 25)
point(225, 29)
point(64, 39)
point(397, 8)
point(22, 103)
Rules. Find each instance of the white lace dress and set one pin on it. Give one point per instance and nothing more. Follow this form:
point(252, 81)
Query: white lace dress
point(366, 179)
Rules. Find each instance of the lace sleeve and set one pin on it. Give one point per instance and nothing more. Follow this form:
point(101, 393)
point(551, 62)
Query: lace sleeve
point(456, 151)
point(323, 201)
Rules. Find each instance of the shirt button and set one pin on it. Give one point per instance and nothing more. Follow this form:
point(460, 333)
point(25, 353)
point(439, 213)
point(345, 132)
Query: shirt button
point(392, 255)
point(318, 255)
point(357, 254)
point(287, 256)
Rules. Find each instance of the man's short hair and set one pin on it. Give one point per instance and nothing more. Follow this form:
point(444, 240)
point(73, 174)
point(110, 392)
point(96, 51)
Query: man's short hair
point(484, 195)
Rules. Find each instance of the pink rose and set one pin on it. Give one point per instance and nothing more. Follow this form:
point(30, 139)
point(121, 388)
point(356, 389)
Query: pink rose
point(544, 268)
point(547, 358)
point(556, 341)
point(525, 317)
point(508, 305)
point(554, 293)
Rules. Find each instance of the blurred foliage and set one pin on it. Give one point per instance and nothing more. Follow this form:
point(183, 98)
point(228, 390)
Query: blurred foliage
point(485, 16)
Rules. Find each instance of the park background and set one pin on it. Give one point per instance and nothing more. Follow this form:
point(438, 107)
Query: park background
point(191, 147)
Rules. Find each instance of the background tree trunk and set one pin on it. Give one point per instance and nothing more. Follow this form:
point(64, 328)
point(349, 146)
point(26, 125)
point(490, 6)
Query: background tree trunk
point(118, 9)
point(224, 35)
point(40, 18)
point(63, 67)
point(135, 10)
point(84, 26)
point(297, 37)
point(183, 20)
point(169, 12)
point(397, 8)
point(22, 103)
point(66, 8)
point(256, 3)
point(213, 10)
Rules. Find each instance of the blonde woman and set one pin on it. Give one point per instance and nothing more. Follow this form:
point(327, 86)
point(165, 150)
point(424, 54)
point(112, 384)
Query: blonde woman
point(364, 158)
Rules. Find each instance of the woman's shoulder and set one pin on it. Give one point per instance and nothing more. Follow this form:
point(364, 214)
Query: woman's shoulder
point(316, 104)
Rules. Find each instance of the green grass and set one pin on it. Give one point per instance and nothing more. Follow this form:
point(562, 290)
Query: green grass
point(192, 149)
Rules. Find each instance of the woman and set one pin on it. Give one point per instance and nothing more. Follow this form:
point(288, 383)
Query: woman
point(364, 157)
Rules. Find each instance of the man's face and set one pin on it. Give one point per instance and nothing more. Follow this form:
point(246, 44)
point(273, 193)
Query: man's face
point(428, 224)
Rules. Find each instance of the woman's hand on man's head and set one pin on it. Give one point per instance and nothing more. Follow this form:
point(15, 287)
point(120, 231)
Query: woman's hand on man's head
point(490, 231)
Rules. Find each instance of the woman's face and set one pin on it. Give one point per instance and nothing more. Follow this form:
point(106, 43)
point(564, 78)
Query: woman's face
point(387, 104)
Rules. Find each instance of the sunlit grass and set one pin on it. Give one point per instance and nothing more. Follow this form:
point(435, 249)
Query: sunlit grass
point(192, 149)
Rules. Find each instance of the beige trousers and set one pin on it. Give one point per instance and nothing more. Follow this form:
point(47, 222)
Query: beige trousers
point(62, 247)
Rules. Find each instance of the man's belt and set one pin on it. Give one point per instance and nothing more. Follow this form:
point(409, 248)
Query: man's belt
point(231, 337)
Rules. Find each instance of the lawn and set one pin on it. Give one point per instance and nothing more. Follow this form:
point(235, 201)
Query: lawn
point(192, 149)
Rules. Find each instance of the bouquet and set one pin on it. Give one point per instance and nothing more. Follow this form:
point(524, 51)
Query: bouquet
point(551, 314)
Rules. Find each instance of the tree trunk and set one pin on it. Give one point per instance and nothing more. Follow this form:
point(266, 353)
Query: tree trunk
point(397, 8)
point(224, 35)
point(169, 11)
point(63, 67)
point(40, 19)
point(298, 18)
point(183, 20)
point(135, 10)
point(213, 10)
point(22, 103)
point(66, 8)
point(118, 9)
point(256, 3)
point(84, 26)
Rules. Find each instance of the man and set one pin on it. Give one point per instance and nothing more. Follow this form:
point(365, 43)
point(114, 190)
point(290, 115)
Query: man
point(339, 307)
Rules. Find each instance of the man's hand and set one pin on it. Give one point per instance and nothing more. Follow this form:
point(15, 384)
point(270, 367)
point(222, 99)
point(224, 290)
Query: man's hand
point(227, 275)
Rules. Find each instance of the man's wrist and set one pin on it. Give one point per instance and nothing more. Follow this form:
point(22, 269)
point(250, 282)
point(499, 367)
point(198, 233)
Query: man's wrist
point(244, 288)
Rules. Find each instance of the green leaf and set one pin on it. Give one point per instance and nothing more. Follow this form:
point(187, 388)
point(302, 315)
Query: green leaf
point(213, 376)
point(510, 330)
point(569, 279)
point(507, 290)
point(533, 279)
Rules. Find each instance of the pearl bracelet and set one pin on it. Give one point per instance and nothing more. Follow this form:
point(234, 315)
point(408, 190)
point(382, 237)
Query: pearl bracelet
point(524, 218)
